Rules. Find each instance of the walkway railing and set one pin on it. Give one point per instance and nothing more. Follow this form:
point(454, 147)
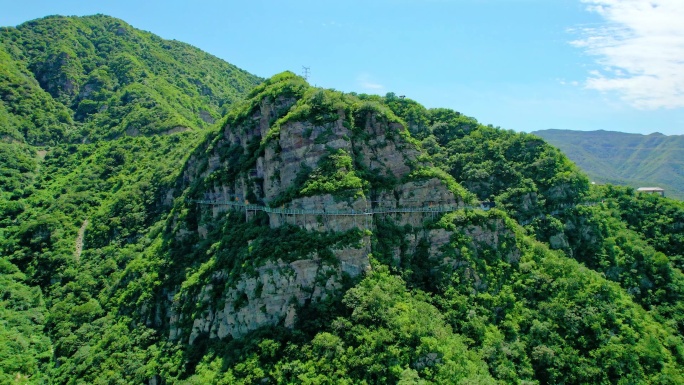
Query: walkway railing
point(372, 211)
point(350, 212)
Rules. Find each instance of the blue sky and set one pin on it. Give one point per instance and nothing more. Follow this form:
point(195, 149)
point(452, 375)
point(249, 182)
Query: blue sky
point(519, 64)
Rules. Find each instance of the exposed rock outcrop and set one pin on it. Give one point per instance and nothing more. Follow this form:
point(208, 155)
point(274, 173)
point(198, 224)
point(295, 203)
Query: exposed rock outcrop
point(266, 157)
point(272, 295)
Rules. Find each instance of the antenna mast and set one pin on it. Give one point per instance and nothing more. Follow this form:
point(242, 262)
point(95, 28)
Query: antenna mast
point(306, 72)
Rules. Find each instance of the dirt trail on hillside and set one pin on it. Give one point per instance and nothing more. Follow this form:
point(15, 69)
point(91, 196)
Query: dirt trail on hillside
point(79, 240)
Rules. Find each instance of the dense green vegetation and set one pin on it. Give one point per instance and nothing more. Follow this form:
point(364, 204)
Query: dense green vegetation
point(625, 159)
point(57, 173)
point(105, 133)
point(24, 348)
point(82, 79)
point(27, 112)
point(660, 221)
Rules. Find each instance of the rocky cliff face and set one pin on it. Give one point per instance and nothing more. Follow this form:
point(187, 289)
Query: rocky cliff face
point(273, 295)
point(278, 152)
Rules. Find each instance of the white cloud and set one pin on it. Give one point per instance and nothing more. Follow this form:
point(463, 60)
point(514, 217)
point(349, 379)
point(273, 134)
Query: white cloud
point(564, 82)
point(366, 82)
point(640, 48)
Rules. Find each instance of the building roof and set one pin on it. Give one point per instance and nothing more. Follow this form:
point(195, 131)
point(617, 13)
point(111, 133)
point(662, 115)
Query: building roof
point(650, 189)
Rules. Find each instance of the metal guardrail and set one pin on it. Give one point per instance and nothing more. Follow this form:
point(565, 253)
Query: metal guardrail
point(352, 212)
point(372, 211)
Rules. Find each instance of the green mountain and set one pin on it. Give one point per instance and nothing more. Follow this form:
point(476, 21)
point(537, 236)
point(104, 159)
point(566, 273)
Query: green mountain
point(112, 78)
point(625, 159)
point(56, 168)
point(307, 236)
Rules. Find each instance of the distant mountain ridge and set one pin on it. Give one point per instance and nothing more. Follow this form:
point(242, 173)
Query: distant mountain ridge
point(628, 159)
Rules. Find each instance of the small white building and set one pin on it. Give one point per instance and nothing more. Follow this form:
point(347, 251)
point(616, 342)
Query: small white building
point(652, 190)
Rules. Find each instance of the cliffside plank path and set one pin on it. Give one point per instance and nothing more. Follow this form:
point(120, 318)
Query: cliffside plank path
point(368, 211)
point(430, 206)
point(239, 203)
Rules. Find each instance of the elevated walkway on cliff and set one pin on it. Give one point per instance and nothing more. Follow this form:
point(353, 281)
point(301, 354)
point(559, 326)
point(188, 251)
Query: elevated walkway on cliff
point(370, 211)
point(351, 212)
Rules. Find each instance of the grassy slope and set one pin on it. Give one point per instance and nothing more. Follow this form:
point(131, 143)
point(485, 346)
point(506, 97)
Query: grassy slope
point(620, 158)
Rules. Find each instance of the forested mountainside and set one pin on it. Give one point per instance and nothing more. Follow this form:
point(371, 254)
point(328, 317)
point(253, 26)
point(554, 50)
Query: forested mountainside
point(85, 108)
point(625, 159)
point(307, 236)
